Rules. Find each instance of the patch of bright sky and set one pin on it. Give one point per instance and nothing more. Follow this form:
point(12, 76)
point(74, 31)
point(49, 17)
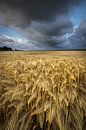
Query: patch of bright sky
point(10, 32)
point(78, 13)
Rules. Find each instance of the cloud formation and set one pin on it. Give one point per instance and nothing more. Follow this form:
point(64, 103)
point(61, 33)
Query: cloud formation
point(46, 24)
point(51, 34)
point(78, 40)
point(20, 44)
point(39, 9)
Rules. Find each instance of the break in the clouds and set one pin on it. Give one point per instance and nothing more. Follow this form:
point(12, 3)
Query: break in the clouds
point(43, 24)
point(79, 38)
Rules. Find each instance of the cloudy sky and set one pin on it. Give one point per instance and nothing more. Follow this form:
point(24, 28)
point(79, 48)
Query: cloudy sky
point(43, 24)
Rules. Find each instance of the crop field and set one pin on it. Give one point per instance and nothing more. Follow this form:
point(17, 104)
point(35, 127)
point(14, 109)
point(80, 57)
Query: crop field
point(43, 90)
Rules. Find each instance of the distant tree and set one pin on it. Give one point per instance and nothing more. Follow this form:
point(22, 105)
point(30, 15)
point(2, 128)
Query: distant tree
point(4, 48)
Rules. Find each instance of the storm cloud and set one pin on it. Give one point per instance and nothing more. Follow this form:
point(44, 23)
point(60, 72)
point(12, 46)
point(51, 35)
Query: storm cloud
point(46, 24)
point(38, 9)
point(52, 33)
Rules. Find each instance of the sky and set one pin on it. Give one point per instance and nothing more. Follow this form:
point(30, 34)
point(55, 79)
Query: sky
point(43, 24)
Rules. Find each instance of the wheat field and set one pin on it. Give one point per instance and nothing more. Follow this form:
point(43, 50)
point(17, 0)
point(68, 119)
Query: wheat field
point(44, 91)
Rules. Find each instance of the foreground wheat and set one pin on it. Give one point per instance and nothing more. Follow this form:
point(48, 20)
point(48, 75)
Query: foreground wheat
point(39, 93)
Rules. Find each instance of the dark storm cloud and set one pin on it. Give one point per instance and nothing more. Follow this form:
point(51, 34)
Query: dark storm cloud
point(9, 16)
point(49, 33)
point(60, 26)
point(38, 9)
point(44, 23)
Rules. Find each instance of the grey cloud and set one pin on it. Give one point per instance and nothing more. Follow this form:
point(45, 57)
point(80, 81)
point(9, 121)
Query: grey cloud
point(19, 44)
point(60, 26)
point(9, 16)
point(78, 40)
point(43, 22)
point(40, 9)
point(50, 33)
point(47, 35)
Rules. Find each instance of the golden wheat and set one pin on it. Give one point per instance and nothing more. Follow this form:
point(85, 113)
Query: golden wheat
point(43, 93)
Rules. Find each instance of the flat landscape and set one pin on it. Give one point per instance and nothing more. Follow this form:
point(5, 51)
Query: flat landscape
point(43, 90)
point(48, 53)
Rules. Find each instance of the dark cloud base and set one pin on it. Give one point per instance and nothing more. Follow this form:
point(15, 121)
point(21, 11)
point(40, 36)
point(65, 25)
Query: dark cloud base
point(40, 9)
